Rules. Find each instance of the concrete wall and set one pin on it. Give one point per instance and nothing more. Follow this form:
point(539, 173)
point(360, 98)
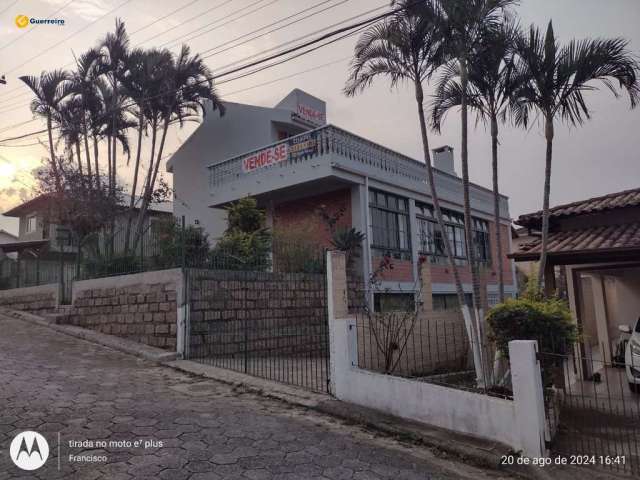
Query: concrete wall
point(519, 423)
point(40, 299)
point(141, 307)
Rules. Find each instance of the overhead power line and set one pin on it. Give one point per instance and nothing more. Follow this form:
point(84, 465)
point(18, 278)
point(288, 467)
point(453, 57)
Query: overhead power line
point(8, 7)
point(340, 34)
point(18, 102)
point(172, 12)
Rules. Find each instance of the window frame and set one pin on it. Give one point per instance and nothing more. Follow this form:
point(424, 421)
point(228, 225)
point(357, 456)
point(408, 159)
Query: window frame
point(390, 224)
point(27, 228)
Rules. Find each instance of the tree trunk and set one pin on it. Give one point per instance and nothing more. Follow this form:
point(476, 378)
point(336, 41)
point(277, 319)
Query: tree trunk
point(496, 205)
point(110, 185)
point(436, 205)
point(54, 166)
point(135, 182)
point(147, 190)
point(95, 160)
point(77, 145)
point(548, 133)
point(88, 154)
point(468, 229)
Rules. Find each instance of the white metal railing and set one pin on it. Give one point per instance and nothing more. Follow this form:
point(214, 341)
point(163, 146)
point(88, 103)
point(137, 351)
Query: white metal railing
point(329, 140)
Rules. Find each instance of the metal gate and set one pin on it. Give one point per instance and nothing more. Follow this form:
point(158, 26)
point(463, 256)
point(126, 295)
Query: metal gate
point(271, 325)
point(593, 415)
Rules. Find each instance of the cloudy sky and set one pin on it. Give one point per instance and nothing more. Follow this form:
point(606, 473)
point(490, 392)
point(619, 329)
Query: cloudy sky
point(598, 158)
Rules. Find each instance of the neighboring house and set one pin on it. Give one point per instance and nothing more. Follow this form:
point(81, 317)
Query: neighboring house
point(38, 236)
point(524, 270)
point(250, 152)
point(595, 243)
point(6, 237)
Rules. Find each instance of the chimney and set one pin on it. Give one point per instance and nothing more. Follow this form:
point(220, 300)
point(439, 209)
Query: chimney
point(443, 159)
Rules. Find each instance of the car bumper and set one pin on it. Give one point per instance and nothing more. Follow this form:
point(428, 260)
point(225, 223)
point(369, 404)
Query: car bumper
point(632, 367)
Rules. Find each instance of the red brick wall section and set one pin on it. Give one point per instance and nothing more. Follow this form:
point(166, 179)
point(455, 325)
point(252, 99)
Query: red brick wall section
point(443, 273)
point(144, 313)
point(300, 217)
point(402, 270)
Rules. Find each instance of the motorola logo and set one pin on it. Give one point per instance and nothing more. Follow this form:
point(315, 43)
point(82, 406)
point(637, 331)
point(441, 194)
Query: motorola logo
point(29, 450)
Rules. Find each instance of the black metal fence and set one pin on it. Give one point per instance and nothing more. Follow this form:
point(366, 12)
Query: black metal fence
point(593, 414)
point(266, 324)
point(398, 335)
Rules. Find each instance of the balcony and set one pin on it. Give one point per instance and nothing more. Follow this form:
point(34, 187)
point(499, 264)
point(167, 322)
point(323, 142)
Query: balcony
point(325, 152)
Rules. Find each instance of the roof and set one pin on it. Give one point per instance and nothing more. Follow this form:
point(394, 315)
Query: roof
point(626, 198)
point(4, 232)
point(18, 246)
point(34, 203)
point(590, 240)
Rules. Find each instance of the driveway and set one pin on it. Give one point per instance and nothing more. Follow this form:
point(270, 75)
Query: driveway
point(113, 416)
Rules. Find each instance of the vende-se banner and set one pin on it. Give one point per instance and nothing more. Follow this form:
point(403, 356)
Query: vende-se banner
point(266, 157)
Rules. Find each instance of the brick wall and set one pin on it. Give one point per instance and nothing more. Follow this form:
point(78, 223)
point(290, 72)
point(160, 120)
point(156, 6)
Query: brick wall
point(300, 217)
point(139, 307)
point(40, 299)
point(402, 270)
point(260, 313)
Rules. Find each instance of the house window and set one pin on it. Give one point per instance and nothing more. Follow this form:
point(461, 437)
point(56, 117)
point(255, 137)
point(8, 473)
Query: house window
point(449, 301)
point(481, 241)
point(32, 224)
point(432, 243)
point(389, 302)
point(389, 225)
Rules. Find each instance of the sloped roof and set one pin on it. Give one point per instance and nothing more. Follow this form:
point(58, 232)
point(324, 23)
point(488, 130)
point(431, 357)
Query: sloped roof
point(626, 198)
point(611, 238)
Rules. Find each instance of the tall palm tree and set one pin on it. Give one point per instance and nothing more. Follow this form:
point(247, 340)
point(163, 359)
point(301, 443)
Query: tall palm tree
point(50, 89)
point(557, 79)
point(407, 47)
point(69, 119)
point(115, 51)
point(490, 90)
point(465, 24)
point(185, 93)
point(145, 74)
point(85, 90)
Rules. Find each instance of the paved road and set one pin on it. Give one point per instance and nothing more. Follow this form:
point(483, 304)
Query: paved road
point(59, 385)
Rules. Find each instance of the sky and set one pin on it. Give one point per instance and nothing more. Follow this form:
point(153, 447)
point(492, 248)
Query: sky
point(597, 158)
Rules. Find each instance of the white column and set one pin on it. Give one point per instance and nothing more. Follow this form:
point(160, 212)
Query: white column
point(414, 236)
point(528, 397)
point(600, 310)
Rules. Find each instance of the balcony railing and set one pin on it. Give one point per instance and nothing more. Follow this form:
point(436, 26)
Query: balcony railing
point(323, 141)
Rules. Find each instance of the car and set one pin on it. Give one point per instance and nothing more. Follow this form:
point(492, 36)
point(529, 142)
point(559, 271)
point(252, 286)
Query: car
point(632, 355)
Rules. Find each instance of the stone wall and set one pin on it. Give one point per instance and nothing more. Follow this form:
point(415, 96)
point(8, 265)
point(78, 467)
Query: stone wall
point(256, 313)
point(40, 299)
point(140, 307)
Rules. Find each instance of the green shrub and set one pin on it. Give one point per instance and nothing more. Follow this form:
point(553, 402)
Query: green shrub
point(547, 321)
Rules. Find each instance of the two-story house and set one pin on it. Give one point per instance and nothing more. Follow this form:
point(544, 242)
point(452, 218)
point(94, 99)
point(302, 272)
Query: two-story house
point(292, 162)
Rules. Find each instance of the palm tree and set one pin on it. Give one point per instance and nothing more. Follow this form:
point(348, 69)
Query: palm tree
point(50, 89)
point(145, 74)
point(466, 24)
point(84, 81)
point(185, 92)
point(557, 79)
point(490, 90)
point(115, 51)
point(69, 119)
point(407, 47)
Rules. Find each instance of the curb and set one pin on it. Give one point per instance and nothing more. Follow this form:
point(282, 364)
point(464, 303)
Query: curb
point(123, 345)
point(440, 441)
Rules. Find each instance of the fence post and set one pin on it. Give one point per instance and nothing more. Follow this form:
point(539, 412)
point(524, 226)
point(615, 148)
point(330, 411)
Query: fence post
point(343, 346)
point(528, 397)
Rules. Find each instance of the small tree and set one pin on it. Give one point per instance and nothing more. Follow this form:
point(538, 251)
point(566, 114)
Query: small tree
point(188, 246)
point(246, 244)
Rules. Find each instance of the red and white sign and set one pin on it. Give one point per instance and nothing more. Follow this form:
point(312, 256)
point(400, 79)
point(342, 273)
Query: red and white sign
point(310, 114)
point(266, 157)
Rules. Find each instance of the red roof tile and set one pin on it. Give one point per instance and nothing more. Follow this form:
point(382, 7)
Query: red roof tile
point(626, 198)
point(590, 239)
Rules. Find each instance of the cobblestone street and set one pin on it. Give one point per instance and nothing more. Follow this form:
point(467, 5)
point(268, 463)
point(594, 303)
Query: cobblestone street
point(66, 388)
